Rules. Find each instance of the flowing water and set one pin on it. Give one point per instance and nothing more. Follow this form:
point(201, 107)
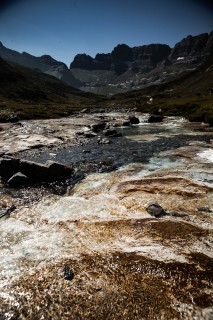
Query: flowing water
point(127, 264)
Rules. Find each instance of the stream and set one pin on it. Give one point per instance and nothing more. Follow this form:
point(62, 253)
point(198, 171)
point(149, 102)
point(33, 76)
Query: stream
point(124, 262)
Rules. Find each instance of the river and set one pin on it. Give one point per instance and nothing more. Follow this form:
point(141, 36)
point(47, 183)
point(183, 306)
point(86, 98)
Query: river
point(126, 263)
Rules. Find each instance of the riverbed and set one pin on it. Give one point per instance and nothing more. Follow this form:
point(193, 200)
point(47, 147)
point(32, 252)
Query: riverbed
point(126, 263)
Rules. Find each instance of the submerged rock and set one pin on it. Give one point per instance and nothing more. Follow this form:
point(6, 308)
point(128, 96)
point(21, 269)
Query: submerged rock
point(125, 123)
point(89, 134)
point(68, 273)
point(155, 210)
point(110, 132)
point(101, 140)
point(98, 127)
point(5, 211)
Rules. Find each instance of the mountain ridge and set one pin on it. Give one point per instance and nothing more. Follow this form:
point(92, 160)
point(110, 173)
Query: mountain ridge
point(125, 68)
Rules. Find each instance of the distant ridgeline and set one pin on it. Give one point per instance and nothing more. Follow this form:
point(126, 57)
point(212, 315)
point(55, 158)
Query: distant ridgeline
point(123, 69)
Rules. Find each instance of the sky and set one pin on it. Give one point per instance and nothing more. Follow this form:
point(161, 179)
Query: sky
point(64, 28)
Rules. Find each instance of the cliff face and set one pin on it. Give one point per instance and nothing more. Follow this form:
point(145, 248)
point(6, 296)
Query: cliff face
point(125, 68)
point(193, 47)
point(123, 58)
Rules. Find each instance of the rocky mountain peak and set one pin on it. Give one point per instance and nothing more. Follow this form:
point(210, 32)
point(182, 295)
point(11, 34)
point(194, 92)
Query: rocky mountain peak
point(191, 46)
point(122, 52)
point(82, 60)
point(125, 68)
point(47, 59)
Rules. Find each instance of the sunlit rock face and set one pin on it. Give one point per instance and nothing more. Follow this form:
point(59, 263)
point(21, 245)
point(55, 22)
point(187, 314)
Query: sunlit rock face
point(127, 264)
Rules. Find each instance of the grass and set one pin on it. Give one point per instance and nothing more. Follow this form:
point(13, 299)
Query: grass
point(188, 96)
point(28, 94)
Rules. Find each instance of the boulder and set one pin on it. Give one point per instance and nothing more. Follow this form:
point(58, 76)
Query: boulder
point(101, 140)
point(5, 211)
point(126, 123)
point(110, 132)
point(98, 127)
point(57, 171)
point(155, 118)
point(155, 210)
point(36, 172)
point(134, 120)
point(17, 180)
point(89, 134)
point(68, 273)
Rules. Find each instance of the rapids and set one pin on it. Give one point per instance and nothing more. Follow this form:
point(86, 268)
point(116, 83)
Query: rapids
point(126, 263)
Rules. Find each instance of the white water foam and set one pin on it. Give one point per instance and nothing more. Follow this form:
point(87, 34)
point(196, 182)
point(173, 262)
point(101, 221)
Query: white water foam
point(206, 154)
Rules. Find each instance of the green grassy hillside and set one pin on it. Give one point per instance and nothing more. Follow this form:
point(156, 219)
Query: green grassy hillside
point(187, 96)
point(26, 93)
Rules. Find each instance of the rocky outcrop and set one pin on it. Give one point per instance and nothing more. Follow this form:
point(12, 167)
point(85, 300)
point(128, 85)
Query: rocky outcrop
point(123, 58)
point(191, 47)
point(13, 170)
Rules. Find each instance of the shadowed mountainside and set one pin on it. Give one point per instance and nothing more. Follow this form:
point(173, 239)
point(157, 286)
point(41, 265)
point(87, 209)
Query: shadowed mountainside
point(27, 93)
point(189, 95)
point(125, 68)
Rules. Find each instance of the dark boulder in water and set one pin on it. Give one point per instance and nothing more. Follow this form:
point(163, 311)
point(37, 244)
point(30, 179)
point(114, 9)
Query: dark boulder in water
point(155, 118)
point(36, 172)
point(134, 120)
point(155, 210)
point(68, 273)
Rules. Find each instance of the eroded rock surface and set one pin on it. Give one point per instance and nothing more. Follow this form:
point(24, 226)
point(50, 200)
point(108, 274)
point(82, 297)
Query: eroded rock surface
point(126, 263)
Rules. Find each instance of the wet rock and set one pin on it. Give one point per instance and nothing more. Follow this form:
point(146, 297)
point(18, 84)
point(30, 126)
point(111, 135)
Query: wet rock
point(17, 180)
point(85, 110)
point(101, 140)
point(204, 209)
point(110, 132)
point(126, 123)
point(134, 120)
point(98, 127)
point(89, 134)
point(68, 273)
point(155, 118)
point(36, 172)
point(155, 210)
point(5, 211)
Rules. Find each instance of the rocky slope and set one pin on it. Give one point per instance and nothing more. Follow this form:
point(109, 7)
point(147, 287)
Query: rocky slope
point(44, 63)
point(27, 94)
point(125, 68)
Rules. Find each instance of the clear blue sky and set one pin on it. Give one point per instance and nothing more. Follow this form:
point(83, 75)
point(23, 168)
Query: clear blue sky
point(64, 28)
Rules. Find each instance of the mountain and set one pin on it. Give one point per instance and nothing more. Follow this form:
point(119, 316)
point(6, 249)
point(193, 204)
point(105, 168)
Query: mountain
point(44, 63)
point(189, 95)
point(27, 93)
point(125, 68)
